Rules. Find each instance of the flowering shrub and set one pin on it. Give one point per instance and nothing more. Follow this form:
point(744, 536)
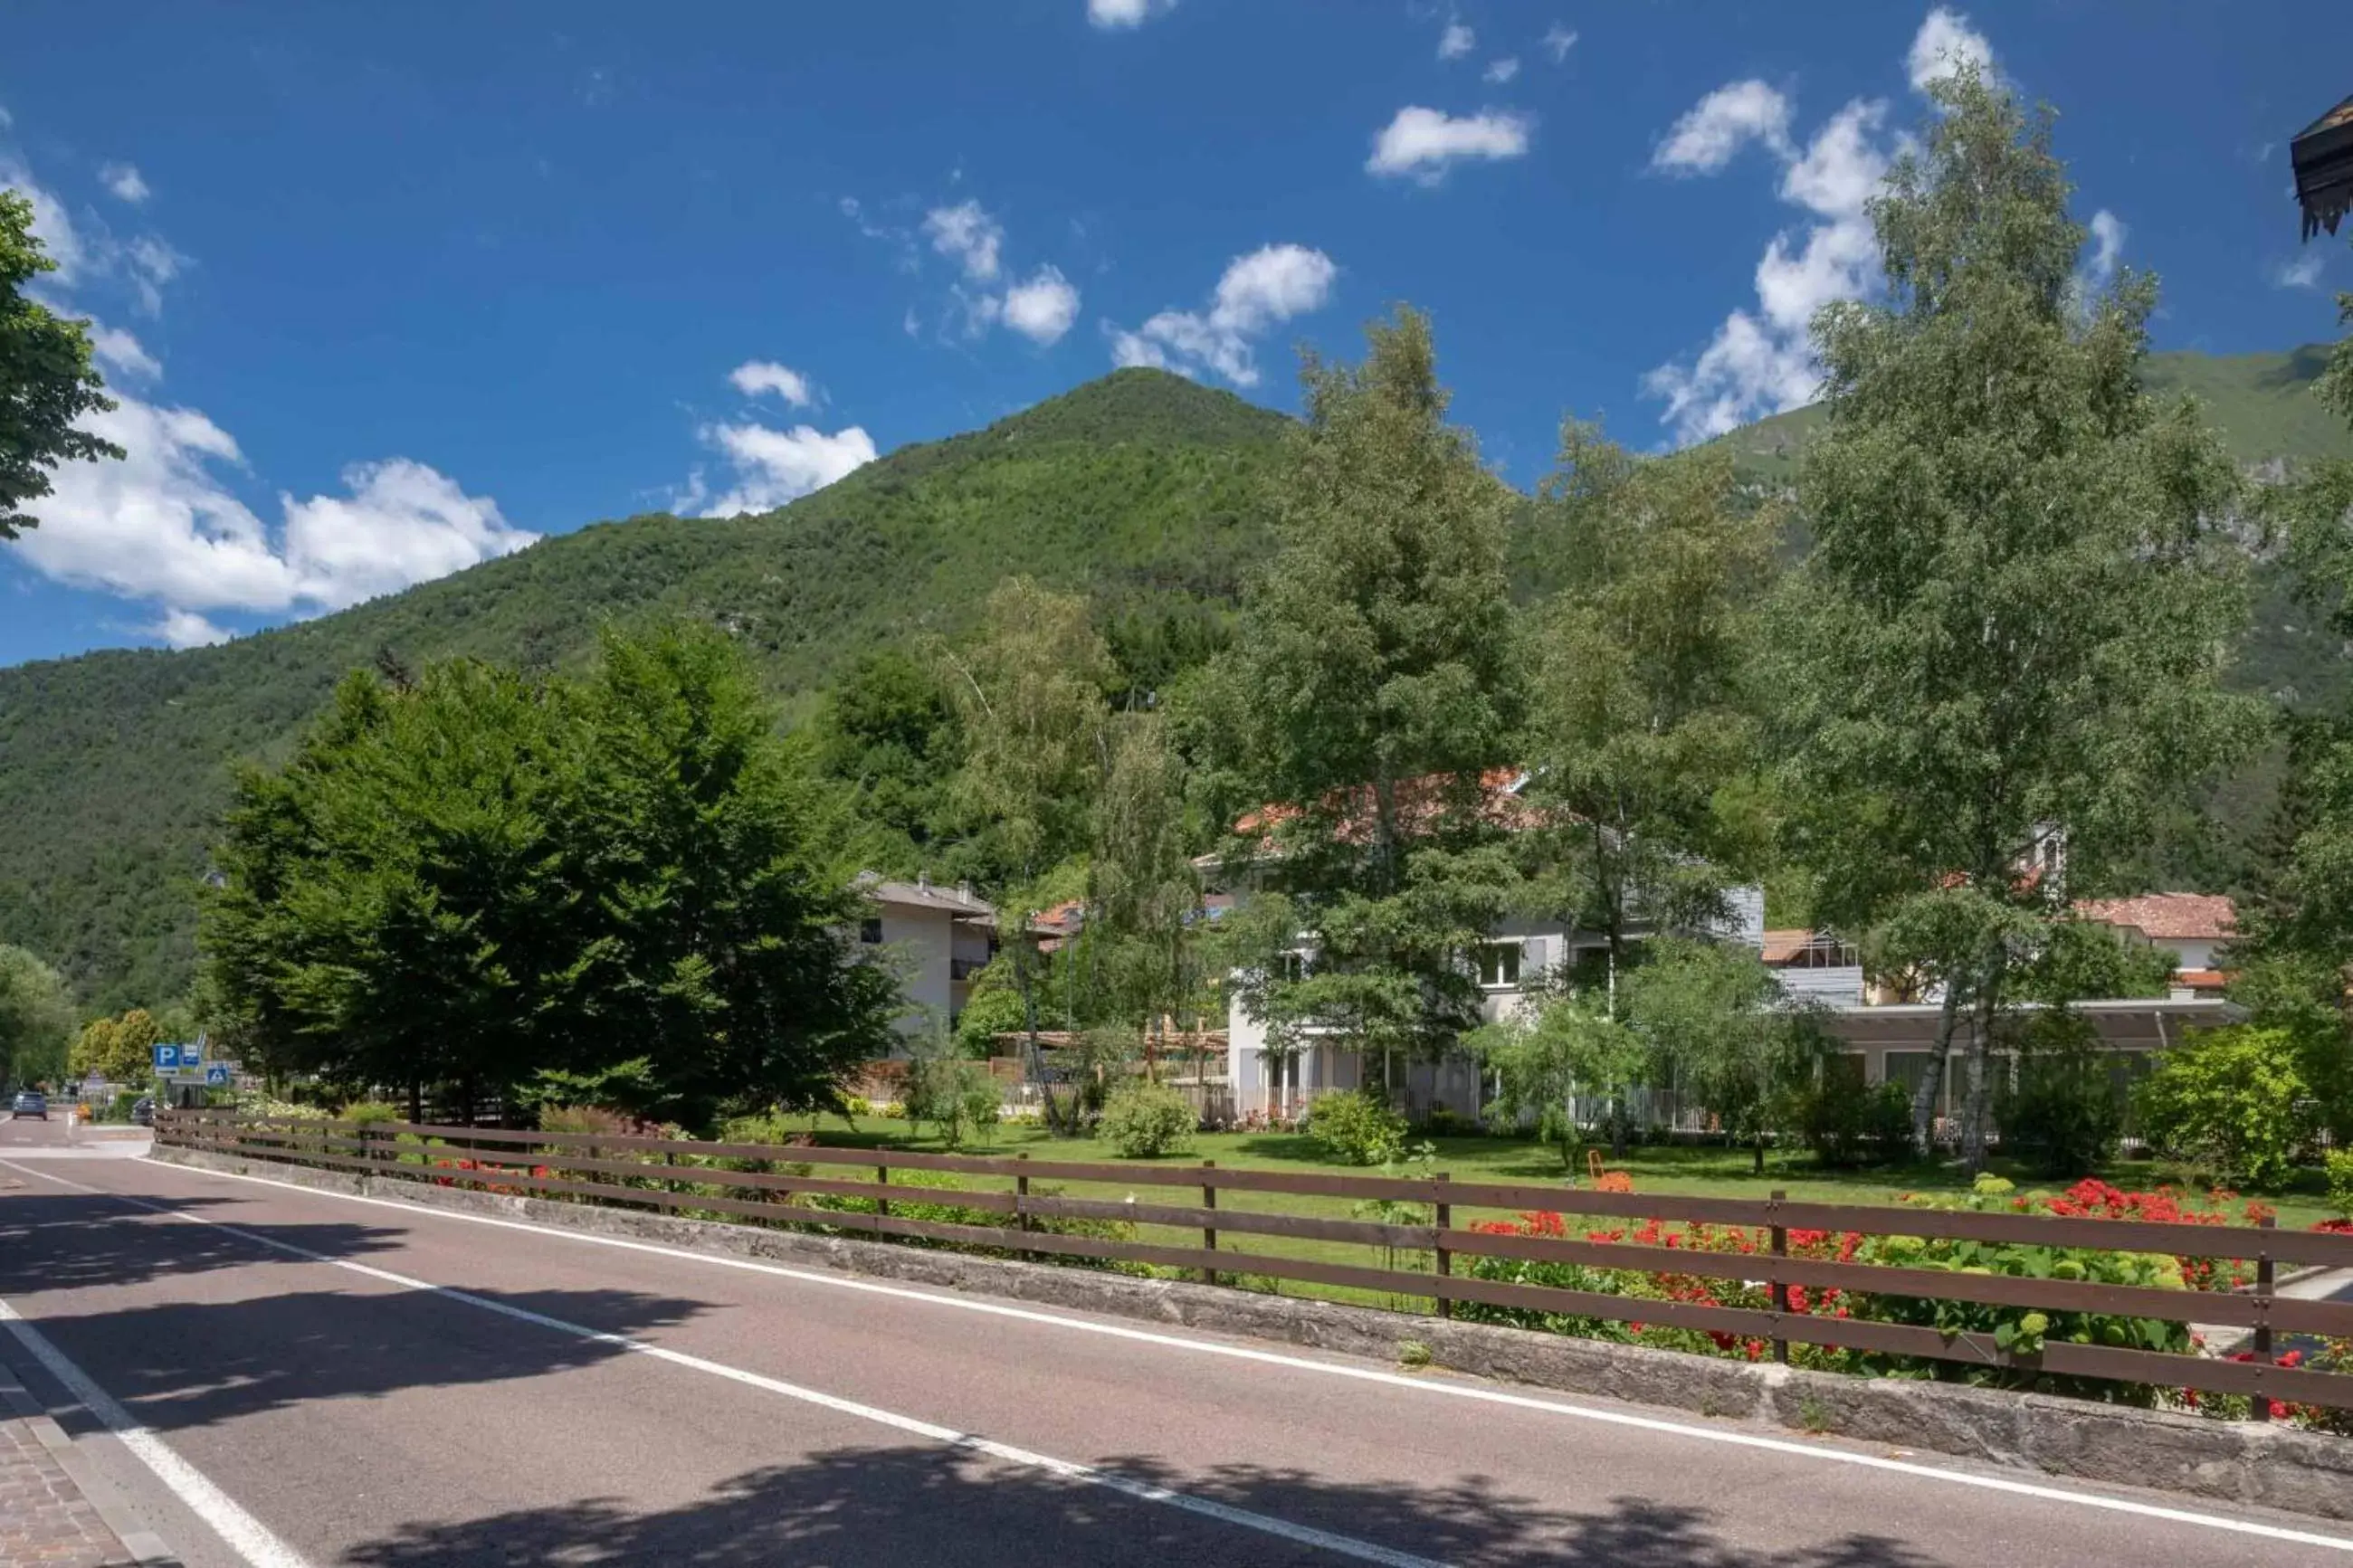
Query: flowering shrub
point(2341, 1183)
point(2020, 1330)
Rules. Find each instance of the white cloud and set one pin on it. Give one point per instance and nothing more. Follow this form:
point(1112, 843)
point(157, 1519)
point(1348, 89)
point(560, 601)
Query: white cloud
point(2108, 232)
point(1747, 368)
point(1257, 291)
point(968, 234)
point(1723, 122)
point(1114, 14)
point(2303, 272)
point(185, 629)
point(152, 263)
point(1945, 42)
point(773, 467)
point(1501, 70)
point(1760, 360)
point(1042, 309)
point(121, 352)
point(163, 525)
point(1842, 166)
point(1456, 41)
point(1557, 41)
point(1424, 142)
point(125, 181)
point(403, 523)
point(753, 377)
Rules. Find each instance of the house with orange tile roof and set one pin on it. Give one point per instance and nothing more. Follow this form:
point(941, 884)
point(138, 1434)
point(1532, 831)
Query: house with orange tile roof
point(2194, 928)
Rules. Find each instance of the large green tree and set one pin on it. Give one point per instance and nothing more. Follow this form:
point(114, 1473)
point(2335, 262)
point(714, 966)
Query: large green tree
point(1642, 719)
point(47, 384)
point(37, 1019)
point(477, 877)
point(2295, 959)
point(1372, 685)
point(2009, 635)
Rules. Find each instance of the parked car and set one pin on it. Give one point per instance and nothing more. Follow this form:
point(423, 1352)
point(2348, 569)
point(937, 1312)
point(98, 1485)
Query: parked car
point(142, 1112)
point(29, 1104)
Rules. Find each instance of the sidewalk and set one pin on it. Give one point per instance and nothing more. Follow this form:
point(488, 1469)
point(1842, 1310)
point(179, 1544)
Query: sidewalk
point(44, 1519)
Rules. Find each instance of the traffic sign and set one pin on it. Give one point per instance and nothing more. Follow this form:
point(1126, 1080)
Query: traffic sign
point(193, 1056)
point(167, 1059)
point(217, 1076)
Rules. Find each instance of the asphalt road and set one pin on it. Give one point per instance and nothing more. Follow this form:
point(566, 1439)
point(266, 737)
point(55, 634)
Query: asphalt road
point(324, 1380)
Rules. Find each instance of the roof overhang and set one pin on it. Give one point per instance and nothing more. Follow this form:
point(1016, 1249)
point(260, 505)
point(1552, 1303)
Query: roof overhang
point(2129, 1024)
point(2321, 156)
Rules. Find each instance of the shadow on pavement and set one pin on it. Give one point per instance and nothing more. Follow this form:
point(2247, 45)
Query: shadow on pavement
point(70, 1241)
point(884, 1508)
point(180, 1364)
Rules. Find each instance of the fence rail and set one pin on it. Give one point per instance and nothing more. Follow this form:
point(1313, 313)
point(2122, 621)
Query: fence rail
point(779, 1178)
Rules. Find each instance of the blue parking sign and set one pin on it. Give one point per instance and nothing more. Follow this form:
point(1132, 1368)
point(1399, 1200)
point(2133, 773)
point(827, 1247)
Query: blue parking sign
point(167, 1059)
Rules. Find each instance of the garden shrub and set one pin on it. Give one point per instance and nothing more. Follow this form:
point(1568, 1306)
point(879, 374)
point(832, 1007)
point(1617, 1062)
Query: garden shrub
point(2341, 1183)
point(1845, 1122)
point(957, 1096)
point(371, 1113)
point(1146, 1119)
point(2062, 1112)
point(2231, 1098)
point(1357, 1127)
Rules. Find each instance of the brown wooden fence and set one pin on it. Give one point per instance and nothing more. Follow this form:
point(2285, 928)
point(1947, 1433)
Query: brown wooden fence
point(673, 1175)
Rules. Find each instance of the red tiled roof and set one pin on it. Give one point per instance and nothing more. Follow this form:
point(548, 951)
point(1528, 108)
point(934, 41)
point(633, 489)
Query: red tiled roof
point(2179, 917)
point(2201, 979)
point(1419, 800)
point(1784, 943)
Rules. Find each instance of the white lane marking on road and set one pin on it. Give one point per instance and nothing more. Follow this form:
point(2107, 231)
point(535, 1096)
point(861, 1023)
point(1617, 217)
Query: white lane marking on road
point(947, 1436)
point(1357, 1373)
point(244, 1534)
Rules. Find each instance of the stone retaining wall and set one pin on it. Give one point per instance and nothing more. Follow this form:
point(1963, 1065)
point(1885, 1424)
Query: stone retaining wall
point(2273, 1466)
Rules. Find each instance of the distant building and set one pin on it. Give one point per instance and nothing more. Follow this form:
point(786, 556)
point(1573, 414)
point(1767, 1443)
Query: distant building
point(940, 937)
point(2192, 927)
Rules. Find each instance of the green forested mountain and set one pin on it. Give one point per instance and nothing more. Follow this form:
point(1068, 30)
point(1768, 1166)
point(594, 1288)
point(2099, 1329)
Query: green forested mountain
point(113, 765)
point(2262, 403)
point(1139, 487)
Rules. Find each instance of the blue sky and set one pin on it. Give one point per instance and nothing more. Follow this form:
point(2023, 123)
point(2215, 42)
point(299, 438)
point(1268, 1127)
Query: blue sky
point(381, 300)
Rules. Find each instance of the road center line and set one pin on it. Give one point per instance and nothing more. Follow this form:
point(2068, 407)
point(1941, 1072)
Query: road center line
point(1331, 1369)
point(244, 1534)
point(947, 1436)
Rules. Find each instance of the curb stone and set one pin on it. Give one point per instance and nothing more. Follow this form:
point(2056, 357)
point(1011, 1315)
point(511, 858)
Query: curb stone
point(2267, 1465)
point(139, 1546)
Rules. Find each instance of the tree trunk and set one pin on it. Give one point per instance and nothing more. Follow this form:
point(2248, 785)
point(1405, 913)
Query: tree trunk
point(1973, 1124)
point(1924, 1096)
point(416, 1101)
point(1760, 1153)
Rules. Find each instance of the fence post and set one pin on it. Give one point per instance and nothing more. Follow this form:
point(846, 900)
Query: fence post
point(1445, 1217)
point(1021, 1198)
point(1780, 1286)
point(1209, 1232)
point(881, 1206)
point(2260, 1406)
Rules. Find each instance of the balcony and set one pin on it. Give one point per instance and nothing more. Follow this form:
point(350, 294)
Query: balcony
point(964, 969)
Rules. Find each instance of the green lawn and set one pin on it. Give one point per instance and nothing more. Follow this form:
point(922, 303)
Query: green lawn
point(1709, 1172)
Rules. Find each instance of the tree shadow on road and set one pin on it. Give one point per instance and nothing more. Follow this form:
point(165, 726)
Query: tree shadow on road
point(180, 1364)
point(72, 1241)
point(889, 1506)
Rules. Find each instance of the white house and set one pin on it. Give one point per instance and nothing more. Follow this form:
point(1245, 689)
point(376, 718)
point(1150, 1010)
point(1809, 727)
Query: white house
point(940, 938)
